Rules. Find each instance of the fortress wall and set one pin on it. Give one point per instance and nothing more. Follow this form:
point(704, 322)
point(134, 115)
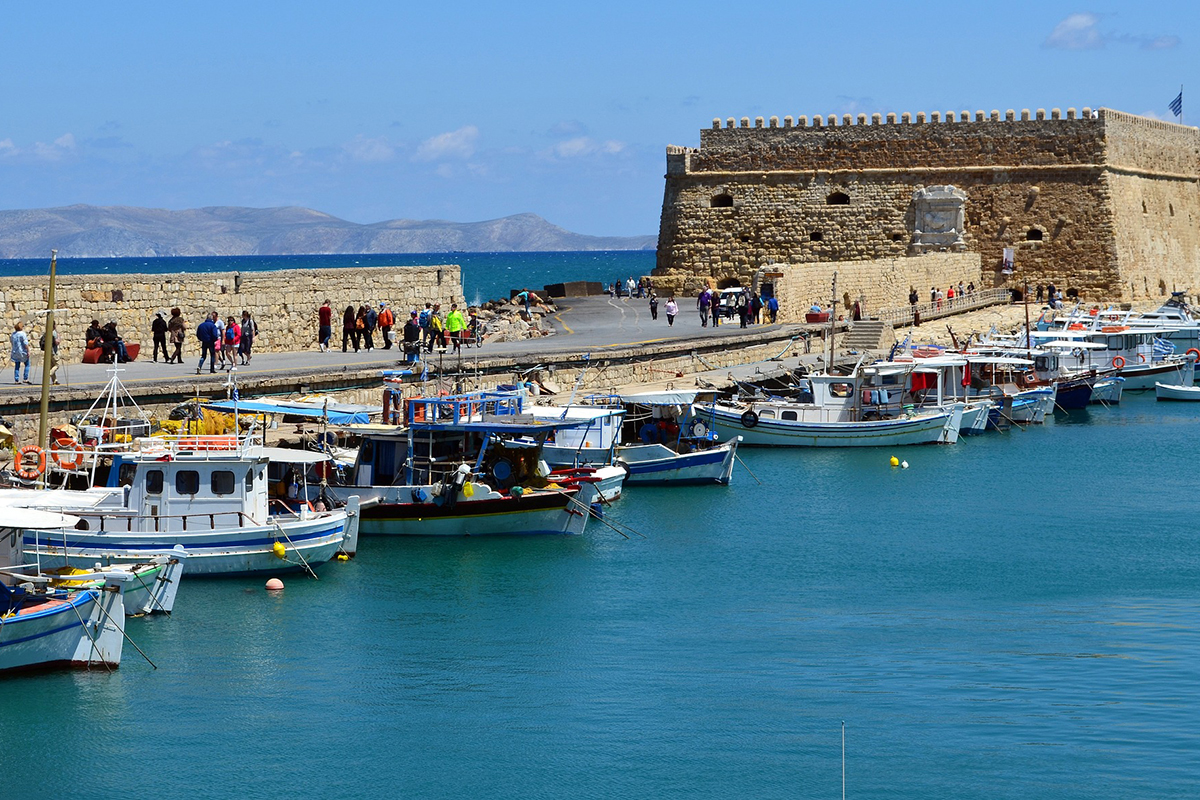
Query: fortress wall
point(884, 283)
point(775, 216)
point(1157, 235)
point(284, 302)
point(1151, 145)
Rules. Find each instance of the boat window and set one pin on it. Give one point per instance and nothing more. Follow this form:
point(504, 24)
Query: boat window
point(222, 481)
point(840, 389)
point(154, 481)
point(126, 473)
point(249, 480)
point(187, 481)
point(767, 413)
point(791, 415)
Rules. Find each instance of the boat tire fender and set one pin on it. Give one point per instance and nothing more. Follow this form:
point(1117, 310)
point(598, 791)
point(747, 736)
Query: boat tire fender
point(1118, 362)
point(749, 419)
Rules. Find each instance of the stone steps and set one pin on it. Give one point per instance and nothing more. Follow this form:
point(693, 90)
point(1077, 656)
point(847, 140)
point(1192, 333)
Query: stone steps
point(868, 334)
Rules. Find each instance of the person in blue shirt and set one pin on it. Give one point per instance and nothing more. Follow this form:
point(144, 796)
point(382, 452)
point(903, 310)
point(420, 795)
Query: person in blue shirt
point(773, 308)
point(207, 333)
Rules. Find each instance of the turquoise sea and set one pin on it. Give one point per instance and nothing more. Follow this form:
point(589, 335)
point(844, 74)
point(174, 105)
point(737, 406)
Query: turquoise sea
point(1014, 616)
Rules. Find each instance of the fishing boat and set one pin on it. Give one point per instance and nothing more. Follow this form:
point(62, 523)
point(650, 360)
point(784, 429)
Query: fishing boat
point(208, 494)
point(673, 445)
point(1166, 391)
point(836, 411)
point(44, 627)
point(1138, 354)
point(465, 465)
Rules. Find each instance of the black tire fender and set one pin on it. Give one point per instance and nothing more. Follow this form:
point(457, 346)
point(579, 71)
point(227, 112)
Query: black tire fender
point(749, 419)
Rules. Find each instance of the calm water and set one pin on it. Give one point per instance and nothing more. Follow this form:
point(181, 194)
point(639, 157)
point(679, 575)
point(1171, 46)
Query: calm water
point(1012, 617)
point(485, 275)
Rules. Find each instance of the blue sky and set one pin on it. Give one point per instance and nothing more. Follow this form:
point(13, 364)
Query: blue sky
point(470, 111)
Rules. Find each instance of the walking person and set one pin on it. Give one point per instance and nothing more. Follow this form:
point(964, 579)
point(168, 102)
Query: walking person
point(386, 321)
point(360, 327)
point(158, 328)
point(456, 324)
point(672, 308)
point(249, 331)
point(423, 322)
point(53, 354)
point(232, 342)
point(773, 308)
point(348, 334)
point(653, 306)
point(412, 338)
point(324, 326)
point(206, 333)
point(437, 329)
point(175, 332)
point(702, 305)
point(20, 352)
point(219, 344)
point(370, 321)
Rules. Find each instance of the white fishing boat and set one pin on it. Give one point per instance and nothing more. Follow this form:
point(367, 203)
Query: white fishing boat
point(1107, 390)
point(465, 465)
point(44, 628)
point(838, 411)
point(1166, 391)
point(664, 444)
point(207, 494)
point(1140, 355)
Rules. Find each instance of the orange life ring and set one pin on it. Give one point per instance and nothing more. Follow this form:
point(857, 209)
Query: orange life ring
point(1192, 350)
point(29, 473)
point(1075, 326)
point(1141, 358)
point(1118, 359)
point(67, 453)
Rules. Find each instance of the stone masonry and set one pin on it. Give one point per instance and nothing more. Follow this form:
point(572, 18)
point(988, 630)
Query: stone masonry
point(284, 303)
point(1104, 202)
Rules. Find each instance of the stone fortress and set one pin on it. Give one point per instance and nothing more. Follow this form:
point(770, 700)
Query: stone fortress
point(1103, 202)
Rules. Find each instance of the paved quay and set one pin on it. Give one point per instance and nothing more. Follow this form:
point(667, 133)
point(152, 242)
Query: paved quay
point(609, 330)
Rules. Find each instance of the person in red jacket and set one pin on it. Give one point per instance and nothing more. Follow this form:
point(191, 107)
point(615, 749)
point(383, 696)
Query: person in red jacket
point(386, 321)
point(324, 326)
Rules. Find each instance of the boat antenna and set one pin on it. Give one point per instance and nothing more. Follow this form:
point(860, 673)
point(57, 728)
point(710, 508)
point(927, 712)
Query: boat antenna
point(47, 357)
point(843, 759)
point(832, 326)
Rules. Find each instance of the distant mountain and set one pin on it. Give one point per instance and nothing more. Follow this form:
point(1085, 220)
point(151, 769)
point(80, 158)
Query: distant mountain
point(116, 231)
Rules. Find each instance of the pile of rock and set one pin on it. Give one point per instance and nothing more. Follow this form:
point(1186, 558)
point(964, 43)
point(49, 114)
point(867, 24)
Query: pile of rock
point(506, 321)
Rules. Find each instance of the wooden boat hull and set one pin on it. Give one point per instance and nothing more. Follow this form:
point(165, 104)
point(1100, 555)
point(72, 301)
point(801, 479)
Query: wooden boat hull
point(921, 429)
point(648, 466)
point(82, 630)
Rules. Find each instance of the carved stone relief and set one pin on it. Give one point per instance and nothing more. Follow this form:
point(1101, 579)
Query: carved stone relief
point(938, 219)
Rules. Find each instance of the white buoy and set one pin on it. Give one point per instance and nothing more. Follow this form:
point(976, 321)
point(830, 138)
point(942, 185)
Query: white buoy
point(274, 585)
point(904, 465)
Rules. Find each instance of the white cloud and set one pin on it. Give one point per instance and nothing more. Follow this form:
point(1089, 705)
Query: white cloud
point(586, 146)
point(57, 150)
point(459, 144)
point(370, 150)
point(1076, 32)
point(7, 148)
point(1082, 32)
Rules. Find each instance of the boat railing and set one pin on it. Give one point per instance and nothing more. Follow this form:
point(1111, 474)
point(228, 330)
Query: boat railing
point(118, 523)
point(459, 409)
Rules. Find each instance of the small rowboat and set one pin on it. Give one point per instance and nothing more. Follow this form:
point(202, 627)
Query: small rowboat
point(1169, 392)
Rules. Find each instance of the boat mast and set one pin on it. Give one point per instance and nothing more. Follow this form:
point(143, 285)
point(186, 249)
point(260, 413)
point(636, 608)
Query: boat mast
point(47, 356)
point(832, 326)
point(1028, 333)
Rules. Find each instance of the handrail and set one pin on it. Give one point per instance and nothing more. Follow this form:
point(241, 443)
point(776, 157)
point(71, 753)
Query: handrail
point(934, 309)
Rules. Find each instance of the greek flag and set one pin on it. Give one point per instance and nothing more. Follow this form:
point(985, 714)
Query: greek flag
point(234, 395)
point(1163, 348)
point(1177, 104)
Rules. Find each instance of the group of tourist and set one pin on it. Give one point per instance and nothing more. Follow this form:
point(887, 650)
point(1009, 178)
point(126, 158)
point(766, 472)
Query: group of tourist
point(222, 342)
point(641, 288)
point(424, 329)
point(1052, 295)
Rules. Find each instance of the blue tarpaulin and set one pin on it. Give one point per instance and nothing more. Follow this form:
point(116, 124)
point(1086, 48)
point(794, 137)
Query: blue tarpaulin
point(338, 413)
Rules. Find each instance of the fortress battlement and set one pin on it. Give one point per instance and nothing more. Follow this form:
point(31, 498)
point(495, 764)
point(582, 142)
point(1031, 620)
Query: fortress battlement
point(1099, 199)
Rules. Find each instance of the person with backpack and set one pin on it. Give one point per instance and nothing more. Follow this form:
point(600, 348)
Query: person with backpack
point(176, 328)
point(207, 334)
point(231, 342)
point(386, 321)
point(423, 320)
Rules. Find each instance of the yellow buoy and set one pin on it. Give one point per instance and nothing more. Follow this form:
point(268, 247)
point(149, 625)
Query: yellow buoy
point(468, 489)
point(895, 461)
point(279, 550)
point(342, 557)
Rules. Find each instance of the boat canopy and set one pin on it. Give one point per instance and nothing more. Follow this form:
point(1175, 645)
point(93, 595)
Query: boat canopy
point(664, 398)
point(1073, 345)
point(336, 413)
point(290, 455)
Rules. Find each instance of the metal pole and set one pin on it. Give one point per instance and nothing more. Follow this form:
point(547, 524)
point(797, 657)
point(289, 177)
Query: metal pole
point(47, 357)
point(832, 324)
point(843, 759)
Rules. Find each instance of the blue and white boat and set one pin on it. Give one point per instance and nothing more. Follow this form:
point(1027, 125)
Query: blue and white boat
point(208, 494)
point(837, 411)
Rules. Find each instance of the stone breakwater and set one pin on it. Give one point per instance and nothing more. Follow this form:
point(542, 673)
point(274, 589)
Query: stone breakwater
point(284, 303)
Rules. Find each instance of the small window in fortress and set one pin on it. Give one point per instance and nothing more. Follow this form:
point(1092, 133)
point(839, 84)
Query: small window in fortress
point(1144, 211)
point(1034, 235)
point(838, 199)
point(724, 200)
point(1171, 208)
point(816, 236)
point(897, 237)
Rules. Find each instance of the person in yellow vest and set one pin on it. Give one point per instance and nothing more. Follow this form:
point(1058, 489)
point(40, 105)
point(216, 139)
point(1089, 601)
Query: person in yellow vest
point(456, 324)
